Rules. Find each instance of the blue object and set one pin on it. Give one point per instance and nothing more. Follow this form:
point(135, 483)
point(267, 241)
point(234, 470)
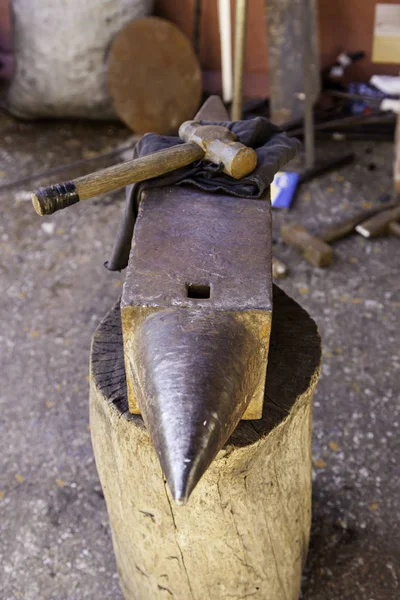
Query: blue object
point(283, 188)
point(357, 107)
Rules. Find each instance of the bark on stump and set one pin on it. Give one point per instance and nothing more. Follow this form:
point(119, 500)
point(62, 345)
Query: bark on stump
point(245, 530)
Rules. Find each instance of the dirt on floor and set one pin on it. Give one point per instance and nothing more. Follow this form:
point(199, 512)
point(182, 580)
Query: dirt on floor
point(54, 536)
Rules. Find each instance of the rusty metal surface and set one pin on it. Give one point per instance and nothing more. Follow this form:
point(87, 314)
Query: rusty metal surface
point(196, 315)
point(186, 236)
point(292, 35)
point(213, 109)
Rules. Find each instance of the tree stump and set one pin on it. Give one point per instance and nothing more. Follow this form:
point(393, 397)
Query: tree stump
point(245, 530)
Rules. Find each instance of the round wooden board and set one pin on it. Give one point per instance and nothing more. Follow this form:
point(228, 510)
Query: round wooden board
point(154, 76)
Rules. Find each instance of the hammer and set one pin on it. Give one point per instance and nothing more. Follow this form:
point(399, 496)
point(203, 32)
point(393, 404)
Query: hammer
point(316, 249)
point(381, 223)
point(203, 142)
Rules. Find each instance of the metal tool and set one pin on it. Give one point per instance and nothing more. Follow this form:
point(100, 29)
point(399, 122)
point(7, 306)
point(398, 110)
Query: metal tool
point(209, 142)
point(293, 57)
point(311, 77)
point(314, 250)
point(315, 246)
point(224, 20)
point(239, 58)
point(325, 166)
point(379, 224)
point(196, 316)
point(396, 162)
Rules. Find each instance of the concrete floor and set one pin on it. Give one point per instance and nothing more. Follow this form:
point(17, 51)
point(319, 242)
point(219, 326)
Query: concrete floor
point(54, 536)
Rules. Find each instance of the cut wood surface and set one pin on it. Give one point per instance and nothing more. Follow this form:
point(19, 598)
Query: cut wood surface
point(154, 76)
point(244, 532)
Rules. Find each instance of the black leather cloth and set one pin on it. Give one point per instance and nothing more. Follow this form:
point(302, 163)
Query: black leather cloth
point(273, 148)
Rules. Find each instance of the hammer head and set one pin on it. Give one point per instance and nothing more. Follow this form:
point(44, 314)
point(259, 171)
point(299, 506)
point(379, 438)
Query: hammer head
point(220, 147)
point(314, 250)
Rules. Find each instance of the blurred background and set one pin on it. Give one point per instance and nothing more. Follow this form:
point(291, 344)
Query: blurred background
point(80, 83)
point(341, 24)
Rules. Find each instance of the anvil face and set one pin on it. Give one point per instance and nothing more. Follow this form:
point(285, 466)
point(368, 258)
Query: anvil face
point(196, 317)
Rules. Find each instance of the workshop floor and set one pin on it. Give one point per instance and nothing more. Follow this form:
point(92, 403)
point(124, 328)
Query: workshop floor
point(54, 536)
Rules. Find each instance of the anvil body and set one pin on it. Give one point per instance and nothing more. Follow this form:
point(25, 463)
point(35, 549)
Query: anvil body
point(196, 317)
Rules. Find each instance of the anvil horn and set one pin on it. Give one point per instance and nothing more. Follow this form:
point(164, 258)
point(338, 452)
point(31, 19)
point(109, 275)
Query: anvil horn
point(198, 373)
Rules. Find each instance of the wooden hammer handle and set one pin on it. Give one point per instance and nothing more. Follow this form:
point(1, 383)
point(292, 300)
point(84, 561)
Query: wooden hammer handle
point(394, 228)
point(346, 226)
point(55, 197)
point(379, 224)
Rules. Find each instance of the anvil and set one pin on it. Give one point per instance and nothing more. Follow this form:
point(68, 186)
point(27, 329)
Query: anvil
point(196, 317)
point(197, 301)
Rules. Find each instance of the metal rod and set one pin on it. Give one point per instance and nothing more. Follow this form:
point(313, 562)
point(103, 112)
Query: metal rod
point(396, 162)
point(346, 96)
point(224, 18)
point(239, 58)
point(66, 167)
point(308, 73)
point(196, 26)
point(326, 166)
point(346, 122)
point(309, 131)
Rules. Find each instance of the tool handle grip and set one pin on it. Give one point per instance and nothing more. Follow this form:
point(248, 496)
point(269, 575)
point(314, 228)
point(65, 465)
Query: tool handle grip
point(379, 224)
point(394, 228)
point(55, 197)
point(346, 226)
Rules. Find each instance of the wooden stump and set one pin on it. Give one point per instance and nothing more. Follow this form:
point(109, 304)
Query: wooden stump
point(245, 530)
